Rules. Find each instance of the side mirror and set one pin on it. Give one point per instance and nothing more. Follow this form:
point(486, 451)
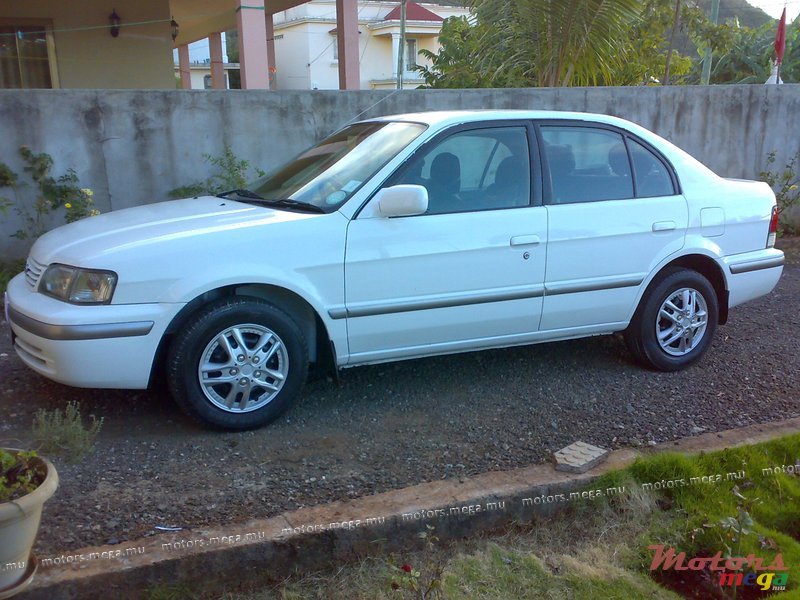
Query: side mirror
point(402, 201)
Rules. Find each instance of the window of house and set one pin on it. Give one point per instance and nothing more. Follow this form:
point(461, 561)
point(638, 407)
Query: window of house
point(587, 164)
point(335, 48)
point(207, 82)
point(411, 53)
point(27, 55)
point(480, 169)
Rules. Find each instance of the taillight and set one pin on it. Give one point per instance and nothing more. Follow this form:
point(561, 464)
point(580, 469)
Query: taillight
point(773, 227)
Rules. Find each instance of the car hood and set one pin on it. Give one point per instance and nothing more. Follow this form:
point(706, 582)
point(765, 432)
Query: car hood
point(93, 238)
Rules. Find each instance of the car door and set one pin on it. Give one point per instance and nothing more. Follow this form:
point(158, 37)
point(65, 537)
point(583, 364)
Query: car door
point(470, 271)
point(614, 212)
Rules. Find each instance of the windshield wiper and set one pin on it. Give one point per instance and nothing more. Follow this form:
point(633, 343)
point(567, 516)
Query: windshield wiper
point(283, 202)
point(296, 204)
point(241, 193)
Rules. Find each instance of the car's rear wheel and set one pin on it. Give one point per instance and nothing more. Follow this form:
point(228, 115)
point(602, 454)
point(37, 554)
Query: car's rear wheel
point(238, 364)
point(675, 321)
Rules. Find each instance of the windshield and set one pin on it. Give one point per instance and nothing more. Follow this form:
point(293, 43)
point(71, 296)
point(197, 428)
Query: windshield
point(327, 174)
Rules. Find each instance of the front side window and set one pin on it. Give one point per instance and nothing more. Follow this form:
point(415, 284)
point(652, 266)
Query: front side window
point(26, 56)
point(480, 169)
point(327, 174)
point(586, 164)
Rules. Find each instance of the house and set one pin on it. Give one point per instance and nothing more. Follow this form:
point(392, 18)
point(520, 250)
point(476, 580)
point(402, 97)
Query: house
point(56, 44)
point(129, 43)
point(201, 78)
point(306, 49)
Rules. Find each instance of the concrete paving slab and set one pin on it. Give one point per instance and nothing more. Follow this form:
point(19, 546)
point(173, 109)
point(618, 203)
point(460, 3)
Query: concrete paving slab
point(579, 457)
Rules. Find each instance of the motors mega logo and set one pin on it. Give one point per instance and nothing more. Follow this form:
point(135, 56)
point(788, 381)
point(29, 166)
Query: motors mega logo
point(729, 569)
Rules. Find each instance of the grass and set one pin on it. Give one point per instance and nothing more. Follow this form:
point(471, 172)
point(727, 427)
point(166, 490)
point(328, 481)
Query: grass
point(500, 572)
point(755, 511)
point(599, 549)
point(62, 432)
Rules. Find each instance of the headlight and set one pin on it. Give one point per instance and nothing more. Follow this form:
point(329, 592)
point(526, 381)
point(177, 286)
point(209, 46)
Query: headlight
point(78, 286)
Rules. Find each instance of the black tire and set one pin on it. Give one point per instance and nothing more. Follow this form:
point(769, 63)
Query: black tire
point(199, 337)
point(641, 336)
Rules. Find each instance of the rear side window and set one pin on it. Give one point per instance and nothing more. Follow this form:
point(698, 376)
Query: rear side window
point(652, 177)
point(587, 164)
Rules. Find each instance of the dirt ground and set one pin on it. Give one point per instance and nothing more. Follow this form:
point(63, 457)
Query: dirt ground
point(389, 426)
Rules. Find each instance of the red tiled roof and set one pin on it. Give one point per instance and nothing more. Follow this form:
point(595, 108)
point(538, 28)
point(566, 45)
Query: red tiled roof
point(414, 12)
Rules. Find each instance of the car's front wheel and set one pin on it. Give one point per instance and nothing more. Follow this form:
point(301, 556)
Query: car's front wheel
point(238, 363)
point(675, 321)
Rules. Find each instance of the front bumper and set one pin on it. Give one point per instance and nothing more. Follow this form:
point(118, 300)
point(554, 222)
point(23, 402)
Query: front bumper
point(110, 346)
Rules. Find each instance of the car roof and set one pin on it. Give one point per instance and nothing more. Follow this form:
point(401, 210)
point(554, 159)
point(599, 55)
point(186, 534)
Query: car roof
point(450, 117)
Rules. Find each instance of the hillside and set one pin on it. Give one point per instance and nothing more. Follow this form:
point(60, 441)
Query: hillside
point(749, 15)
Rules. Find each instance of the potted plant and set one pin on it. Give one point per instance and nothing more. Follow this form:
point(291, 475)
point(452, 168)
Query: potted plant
point(26, 482)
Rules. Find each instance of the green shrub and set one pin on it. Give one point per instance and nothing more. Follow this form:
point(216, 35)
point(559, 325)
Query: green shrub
point(51, 193)
point(230, 173)
point(62, 432)
point(786, 185)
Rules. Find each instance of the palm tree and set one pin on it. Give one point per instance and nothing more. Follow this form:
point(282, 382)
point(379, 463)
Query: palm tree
point(556, 42)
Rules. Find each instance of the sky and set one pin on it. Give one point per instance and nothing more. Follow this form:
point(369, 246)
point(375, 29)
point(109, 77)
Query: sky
point(198, 51)
point(774, 8)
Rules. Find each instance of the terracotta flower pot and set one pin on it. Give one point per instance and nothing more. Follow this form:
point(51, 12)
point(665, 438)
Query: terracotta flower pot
point(19, 523)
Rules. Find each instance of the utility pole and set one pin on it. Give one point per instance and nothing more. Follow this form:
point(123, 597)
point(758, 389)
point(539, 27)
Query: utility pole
point(401, 52)
point(675, 27)
point(706, 77)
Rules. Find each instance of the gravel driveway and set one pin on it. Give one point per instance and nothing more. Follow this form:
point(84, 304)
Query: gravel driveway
point(399, 424)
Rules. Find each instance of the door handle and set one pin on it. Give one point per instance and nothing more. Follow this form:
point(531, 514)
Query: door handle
point(525, 240)
point(664, 226)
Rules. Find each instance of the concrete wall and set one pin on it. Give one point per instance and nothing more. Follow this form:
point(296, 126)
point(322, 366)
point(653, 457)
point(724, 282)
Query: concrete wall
point(132, 147)
point(88, 57)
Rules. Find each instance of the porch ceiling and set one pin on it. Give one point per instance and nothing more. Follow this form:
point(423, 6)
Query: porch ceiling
point(199, 18)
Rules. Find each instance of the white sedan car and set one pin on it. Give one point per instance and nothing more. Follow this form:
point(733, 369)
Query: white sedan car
point(399, 237)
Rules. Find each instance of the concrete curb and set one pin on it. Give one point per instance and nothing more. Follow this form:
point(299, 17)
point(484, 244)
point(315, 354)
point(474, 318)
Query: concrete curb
point(267, 549)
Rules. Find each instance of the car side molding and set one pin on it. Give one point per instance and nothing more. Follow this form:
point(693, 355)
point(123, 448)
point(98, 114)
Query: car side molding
point(369, 309)
point(757, 265)
point(452, 300)
point(554, 289)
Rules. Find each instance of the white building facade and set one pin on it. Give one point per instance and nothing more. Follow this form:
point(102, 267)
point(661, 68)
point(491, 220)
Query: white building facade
point(306, 48)
point(200, 74)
